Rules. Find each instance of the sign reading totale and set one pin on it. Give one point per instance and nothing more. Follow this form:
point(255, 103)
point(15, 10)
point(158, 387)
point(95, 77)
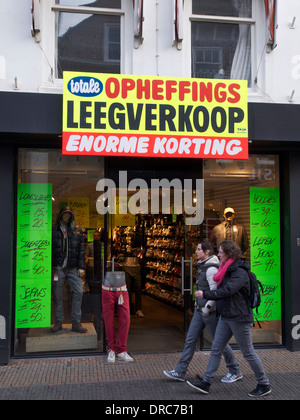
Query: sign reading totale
point(117, 115)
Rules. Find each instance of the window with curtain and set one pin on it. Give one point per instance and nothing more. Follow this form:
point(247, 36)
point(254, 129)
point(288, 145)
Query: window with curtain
point(87, 36)
point(221, 39)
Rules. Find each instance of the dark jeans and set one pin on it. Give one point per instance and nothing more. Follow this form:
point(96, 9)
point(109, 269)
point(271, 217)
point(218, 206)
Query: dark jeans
point(134, 285)
point(69, 274)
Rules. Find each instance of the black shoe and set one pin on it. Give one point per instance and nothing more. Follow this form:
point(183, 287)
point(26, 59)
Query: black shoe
point(260, 391)
point(78, 328)
point(201, 386)
point(56, 327)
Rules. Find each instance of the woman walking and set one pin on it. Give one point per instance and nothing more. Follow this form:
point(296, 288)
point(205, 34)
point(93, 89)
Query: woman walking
point(236, 318)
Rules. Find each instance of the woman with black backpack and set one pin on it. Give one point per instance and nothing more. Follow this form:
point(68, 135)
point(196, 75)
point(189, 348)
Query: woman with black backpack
point(233, 284)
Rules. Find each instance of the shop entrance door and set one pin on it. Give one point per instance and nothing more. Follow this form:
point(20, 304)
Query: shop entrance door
point(156, 249)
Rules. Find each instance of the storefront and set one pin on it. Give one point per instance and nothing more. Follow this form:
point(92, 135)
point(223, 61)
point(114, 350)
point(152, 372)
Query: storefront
point(262, 190)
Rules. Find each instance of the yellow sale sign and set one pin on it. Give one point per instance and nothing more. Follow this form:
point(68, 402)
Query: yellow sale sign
point(122, 115)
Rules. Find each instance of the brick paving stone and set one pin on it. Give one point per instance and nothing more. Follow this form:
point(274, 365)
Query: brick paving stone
point(91, 378)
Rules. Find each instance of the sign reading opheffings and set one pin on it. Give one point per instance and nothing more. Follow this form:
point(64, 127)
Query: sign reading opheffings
point(119, 115)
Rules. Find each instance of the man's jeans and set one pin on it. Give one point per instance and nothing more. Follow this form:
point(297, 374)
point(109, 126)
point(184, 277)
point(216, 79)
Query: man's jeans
point(198, 324)
point(242, 334)
point(70, 274)
point(134, 285)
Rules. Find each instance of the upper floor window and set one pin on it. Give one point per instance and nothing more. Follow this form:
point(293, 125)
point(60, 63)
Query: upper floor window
point(221, 39)
point(87, 36)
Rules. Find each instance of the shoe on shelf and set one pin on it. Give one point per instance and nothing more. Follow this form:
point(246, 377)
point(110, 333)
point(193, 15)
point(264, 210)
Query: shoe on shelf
point(76, 327)
point(260, 391)
point(172, 374)
point(230, 378)
point(111, 357)
point(56, 327)
point(140, 314)
point(200, 386)
point(124, 357)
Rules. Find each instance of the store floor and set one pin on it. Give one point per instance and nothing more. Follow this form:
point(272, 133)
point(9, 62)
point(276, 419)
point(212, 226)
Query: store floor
point(162, 328)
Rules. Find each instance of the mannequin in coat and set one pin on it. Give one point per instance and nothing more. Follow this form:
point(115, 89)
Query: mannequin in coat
point(228, 230)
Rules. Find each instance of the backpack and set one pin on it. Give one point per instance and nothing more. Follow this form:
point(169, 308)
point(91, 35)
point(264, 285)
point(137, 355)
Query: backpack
point(256, 290)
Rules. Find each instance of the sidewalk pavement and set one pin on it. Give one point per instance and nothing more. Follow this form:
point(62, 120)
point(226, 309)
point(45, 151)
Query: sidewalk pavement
point(92, 378)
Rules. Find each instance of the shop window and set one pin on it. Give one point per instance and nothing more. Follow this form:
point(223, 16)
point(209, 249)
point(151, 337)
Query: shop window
point(250, 188)
point(221, 39)
point(158, 239)
point(47, 182)
point(87, 36)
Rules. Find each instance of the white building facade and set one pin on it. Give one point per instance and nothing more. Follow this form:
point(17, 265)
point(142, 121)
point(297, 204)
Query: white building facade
point(29, 63)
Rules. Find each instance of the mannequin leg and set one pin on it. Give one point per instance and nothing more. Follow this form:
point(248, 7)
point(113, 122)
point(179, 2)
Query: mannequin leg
point(76, 286)
point(124, 323)
point(108, 308)
point(58, 290)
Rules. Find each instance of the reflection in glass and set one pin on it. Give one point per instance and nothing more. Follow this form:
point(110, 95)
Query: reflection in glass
point(111, 4)
point(221, 51)
point(88, 43)
point(236, 8)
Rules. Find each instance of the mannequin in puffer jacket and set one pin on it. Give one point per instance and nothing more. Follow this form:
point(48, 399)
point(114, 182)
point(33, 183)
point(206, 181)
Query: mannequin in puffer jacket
point(68, 264)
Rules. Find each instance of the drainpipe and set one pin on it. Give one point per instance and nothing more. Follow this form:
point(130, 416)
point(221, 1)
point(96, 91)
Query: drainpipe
point(157, 38)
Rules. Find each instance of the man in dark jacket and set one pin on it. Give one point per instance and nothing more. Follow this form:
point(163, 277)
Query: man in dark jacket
point(68, 264)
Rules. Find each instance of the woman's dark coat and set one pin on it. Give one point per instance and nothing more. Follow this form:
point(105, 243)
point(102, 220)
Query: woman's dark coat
point(232, 295)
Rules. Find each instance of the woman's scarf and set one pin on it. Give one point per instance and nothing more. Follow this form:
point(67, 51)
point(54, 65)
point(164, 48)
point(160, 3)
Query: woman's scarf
point(220, 274)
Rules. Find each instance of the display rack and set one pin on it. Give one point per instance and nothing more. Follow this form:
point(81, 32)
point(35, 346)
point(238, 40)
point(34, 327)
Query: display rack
point(160, 242)
point(164, 251)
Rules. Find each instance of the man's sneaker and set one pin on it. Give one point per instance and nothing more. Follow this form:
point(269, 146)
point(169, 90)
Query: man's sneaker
point(124, 357)
point(111, 357)
point(260, 391)
point(172, 374)
point(140, 314)
point(230, 378)
point(201, 386)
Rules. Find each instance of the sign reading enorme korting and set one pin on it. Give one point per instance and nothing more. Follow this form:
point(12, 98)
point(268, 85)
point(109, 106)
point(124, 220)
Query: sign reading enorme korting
point(119, 115)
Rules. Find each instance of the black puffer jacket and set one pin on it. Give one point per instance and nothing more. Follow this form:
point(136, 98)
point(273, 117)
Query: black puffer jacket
point(75, 245)
point(231, 296)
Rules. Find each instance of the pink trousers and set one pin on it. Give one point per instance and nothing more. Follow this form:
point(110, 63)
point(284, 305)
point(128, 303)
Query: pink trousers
point(110, 300)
